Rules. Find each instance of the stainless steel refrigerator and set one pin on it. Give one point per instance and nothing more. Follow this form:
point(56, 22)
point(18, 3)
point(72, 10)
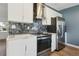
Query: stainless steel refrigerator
point(58, 27)
point(60, 40)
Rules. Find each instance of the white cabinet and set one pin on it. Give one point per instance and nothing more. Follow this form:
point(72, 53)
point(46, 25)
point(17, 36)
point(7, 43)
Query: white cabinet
point(20, 12)
point(28, 12)
point(31, 46)
point(15, 47)
point(15, 12)
point(3, 34)
point(48, 13)
point(44, 20)
point(53, 43)
point(21, 45)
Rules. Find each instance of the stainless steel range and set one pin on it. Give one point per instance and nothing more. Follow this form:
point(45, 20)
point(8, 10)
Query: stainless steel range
point(43, 44)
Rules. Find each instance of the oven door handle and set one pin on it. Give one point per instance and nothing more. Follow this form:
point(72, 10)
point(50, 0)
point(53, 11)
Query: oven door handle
point(43, 38)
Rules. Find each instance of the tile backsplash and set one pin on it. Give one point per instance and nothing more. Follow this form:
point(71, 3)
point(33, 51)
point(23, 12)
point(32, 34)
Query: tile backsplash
point(3, 26)
point(19, 28)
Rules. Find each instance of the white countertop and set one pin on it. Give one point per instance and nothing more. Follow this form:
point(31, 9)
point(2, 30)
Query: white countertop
point(20, 36)
point(26, 35)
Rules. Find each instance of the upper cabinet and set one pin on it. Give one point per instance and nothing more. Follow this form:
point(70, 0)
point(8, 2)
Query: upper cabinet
point(15, 12)
point(20, 12)
point(48, 14)
point(28, 12)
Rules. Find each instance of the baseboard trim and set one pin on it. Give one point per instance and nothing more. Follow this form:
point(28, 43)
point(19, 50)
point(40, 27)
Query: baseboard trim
point(72, 45)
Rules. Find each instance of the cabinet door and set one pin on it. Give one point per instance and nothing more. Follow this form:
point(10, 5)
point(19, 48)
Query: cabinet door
point(28, 12)
point(53, 43)
point(47, 15)
point(15, 47)
point(44, 20)
point(15, 12)
point(31, 46)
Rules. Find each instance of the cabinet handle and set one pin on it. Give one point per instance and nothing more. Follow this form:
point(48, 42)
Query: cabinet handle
point(25, 49)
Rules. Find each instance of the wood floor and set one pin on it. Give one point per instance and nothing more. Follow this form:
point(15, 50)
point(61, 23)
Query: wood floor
point(67, 51)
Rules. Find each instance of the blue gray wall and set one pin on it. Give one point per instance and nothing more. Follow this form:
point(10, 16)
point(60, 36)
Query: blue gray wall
point(71, 16)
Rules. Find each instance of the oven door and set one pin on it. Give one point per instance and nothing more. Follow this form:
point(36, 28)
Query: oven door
point(43, 43)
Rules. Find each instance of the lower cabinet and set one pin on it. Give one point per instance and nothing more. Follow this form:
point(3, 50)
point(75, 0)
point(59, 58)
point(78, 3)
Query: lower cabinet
point(22, 47)
point(53, 43)
point(15, 47)
point(31, 46)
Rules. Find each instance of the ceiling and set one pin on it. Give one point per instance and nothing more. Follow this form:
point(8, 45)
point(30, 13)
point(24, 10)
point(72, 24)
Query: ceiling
point(61, 6)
